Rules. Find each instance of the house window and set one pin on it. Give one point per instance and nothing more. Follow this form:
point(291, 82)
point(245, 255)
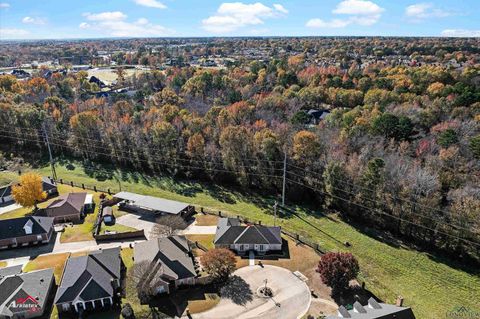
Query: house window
point(246, 246)
point(261, 247)
point(241, 248)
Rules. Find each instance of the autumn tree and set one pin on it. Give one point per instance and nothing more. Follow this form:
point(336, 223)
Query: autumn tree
point(306, 147)
point(337, 269)
point(218, 263)
point(29, 191)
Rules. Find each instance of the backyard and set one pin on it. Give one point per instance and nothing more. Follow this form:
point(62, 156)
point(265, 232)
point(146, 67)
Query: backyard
point(388, 268)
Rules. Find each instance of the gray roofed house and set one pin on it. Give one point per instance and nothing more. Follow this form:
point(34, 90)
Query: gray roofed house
point(374, 310)
point(24, 231)
point(90, 282)
point(24, 295)
point(156, 205)
point(242, 238)
point(170, 259)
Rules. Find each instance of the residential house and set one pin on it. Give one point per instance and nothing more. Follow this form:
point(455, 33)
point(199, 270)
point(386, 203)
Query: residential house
point(69, 207)
point(244, 238)
point(24, 231)
point(155, 205)
point(316, 116)
point(25, 295)
point(170, 262)
point(375, 310)
point(90, 282)
point(49, 186)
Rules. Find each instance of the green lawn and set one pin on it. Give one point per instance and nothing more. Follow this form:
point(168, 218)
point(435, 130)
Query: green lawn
point(117, 227)
point(428, 284)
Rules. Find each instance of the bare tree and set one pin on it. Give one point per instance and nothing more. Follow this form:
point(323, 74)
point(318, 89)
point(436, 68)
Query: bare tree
point(168, 225)
point(146, 276)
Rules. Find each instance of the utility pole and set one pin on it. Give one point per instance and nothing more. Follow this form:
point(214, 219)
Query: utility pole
point(275, 214)
point(52, 163)
point(284, 178)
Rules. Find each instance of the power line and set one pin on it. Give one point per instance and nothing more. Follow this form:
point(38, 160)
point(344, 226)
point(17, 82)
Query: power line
point(384, 213)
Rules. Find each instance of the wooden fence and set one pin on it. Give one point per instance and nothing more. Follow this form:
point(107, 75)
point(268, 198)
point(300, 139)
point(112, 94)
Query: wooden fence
point(295, 236)
point(118, 236)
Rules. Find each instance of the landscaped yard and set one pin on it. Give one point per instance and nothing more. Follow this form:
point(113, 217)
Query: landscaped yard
point(56, 261)
point(431, 285)
point(116, 228)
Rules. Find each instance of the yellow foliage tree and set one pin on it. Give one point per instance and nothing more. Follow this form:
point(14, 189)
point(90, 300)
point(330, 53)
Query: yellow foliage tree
point(29, 191)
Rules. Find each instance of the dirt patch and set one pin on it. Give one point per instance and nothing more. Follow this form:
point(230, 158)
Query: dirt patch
point(206, 220)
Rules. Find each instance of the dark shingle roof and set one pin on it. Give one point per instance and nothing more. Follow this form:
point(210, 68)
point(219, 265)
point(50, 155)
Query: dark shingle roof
point(76, 200)
point(173, 253)
point(34, 286)
point(12, 228)
point(230, 232)
point(90, 277)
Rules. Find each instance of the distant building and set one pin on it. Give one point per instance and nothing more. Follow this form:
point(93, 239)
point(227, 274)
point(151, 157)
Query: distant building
point(316, 116)
point(90, 282)
point(24, 295)
point(244, 238)
point(70, 207)
point(25, 231)
point(374, 310)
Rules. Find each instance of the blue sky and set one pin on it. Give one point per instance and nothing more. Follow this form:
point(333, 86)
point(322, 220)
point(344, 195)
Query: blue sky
point(51, 19)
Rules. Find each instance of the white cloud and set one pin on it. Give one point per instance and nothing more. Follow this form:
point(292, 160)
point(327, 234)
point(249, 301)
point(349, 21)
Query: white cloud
point(425, 10)
point(360, 12)
point(4, 5)
point(335, 23)
point(151, 4)
point(280, 8)
point(115, 24)
point(34, 20)
point(105, 16)
point(142, 21)
point(232, 16)
point(462, 33)
point(358, 7)
point(7, 33)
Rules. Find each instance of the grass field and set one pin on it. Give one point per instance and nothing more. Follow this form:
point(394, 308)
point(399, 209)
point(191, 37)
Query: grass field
point(430, 285)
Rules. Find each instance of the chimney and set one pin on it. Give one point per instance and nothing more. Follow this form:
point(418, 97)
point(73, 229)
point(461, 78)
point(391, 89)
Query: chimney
point(399, 302)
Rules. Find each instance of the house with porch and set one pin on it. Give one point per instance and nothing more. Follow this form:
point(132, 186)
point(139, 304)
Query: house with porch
point(168, 262)
point(49, 186)
point(375, 310)
point(240, 238)
point(90, 282)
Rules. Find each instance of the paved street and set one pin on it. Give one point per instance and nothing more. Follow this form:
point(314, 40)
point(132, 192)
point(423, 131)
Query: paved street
point(9, 208)
point(291, 298)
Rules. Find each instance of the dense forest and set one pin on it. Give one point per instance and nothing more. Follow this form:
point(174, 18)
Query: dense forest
point(399, 149)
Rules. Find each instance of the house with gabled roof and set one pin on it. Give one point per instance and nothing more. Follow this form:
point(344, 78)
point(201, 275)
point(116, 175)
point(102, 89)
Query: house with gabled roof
point(69, 207)
point(90, 282)
point(170, 263)
point(49, 186)
point(374, 310)
point(244, 238)
point(25, 231)
point(25, 295)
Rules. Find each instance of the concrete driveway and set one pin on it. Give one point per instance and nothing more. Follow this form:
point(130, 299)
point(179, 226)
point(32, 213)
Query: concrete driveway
point(291, 299)
point(194, 229)
point(137, 221)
